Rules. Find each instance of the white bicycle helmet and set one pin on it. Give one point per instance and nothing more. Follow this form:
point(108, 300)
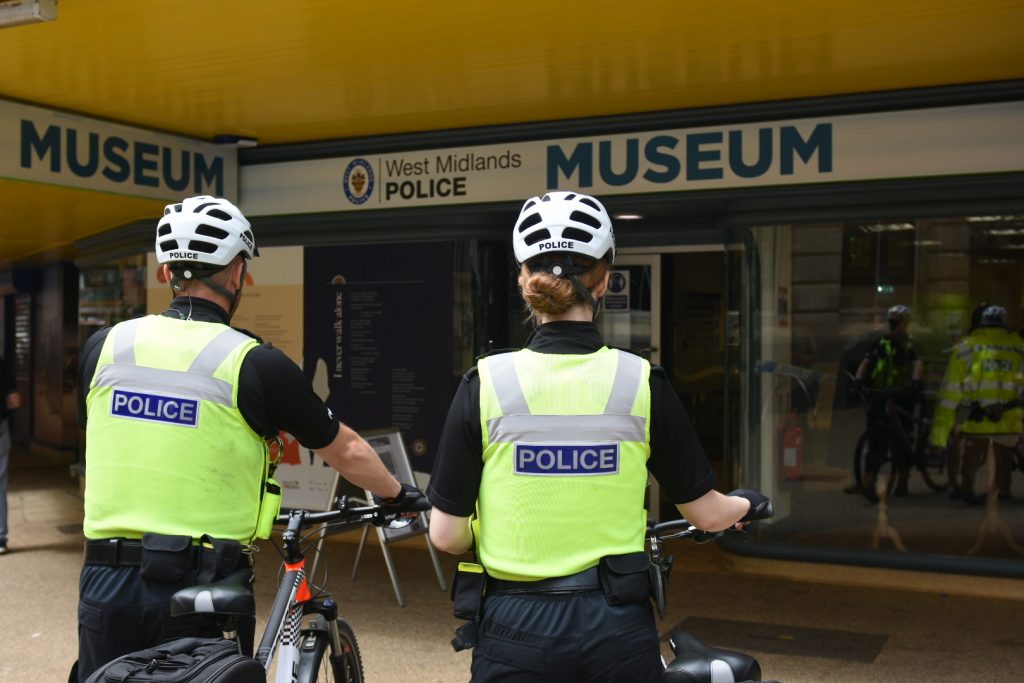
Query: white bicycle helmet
point(204, 230)
point(993, 316)
point(898, 312)
point(563, 222)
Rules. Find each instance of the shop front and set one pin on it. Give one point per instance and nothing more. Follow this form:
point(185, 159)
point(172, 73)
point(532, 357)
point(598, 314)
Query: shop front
point(758, 257)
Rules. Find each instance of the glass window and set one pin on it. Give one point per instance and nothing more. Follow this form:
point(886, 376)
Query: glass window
point(848, 462)
point(111, 293)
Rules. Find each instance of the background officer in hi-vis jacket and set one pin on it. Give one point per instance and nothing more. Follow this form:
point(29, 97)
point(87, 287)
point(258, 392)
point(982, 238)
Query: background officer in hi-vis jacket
point(542, 469)
point(985, 377)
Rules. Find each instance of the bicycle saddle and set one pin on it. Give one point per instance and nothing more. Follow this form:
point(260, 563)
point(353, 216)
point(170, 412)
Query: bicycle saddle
point(230, 596)
point(696, 662)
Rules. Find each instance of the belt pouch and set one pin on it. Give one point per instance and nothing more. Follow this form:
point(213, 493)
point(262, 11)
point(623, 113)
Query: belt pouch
point(219, 558)
point(270, 508)
point(625, 578)
point(468, 590)
point(165, 558)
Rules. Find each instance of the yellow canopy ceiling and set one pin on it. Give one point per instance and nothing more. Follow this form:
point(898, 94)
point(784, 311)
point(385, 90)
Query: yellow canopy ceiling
point(320, 69)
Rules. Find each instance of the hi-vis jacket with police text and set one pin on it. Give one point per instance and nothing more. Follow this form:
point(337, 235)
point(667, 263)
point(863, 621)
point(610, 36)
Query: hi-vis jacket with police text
point(167, 450)
point(566, 440)
point(985, 368)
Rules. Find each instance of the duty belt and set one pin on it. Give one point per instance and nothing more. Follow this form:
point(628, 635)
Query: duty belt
point(121, 552)
point(993, 412)
point(585, 580)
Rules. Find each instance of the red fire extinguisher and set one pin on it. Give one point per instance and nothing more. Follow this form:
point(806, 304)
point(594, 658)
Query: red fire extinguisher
point(793, 448)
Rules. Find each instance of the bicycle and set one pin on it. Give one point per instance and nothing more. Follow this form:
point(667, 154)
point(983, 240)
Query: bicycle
point(931, 467)
point(301, 658)
point(695, 662)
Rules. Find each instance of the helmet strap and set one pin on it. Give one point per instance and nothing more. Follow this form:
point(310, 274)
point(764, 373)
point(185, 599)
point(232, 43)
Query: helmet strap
point(585, 294)
point(205, 275)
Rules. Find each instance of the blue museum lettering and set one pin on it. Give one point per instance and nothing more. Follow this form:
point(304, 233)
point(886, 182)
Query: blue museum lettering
point(701, 156)
point(119, 160)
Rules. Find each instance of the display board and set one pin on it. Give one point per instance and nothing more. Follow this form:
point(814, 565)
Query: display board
point(378, 329)
point(388, 445)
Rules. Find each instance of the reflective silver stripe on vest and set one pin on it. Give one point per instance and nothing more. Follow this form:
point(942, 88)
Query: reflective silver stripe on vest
point(219, 348)
point(626, 384)
point(124, 342)
point(182, 384)
point(506, 385)
point(198, 382)
point(566, 429)
point(518, 424)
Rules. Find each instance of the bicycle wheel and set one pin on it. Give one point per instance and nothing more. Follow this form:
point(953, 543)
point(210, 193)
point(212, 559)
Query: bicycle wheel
point(934, 472)
point(886, 472)
point(934, 469)
point(319, 663)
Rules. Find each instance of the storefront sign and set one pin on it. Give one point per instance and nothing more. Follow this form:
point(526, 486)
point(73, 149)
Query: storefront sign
point(74, 151)
point(927, 142)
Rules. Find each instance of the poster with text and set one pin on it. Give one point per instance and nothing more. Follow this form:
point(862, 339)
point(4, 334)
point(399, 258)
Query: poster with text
point(379, 337)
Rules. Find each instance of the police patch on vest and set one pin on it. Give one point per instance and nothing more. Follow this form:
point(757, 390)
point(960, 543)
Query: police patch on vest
point(155, 408)
point(567, 459)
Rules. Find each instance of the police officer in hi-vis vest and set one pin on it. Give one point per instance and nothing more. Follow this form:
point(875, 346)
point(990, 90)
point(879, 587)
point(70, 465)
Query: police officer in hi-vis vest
point(177, 408)
point(985, 377)
point(542, 469)
point(893, 364)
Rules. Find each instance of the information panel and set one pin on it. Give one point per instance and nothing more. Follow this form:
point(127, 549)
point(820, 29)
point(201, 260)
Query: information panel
point(378, 331)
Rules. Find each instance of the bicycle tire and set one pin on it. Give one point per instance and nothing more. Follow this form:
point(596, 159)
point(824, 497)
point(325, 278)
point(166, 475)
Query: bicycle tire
point(885, 468)
point(319, 663)
point(936, 477)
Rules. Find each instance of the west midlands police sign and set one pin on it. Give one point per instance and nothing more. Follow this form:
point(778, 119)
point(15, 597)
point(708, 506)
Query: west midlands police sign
point(74, 151)
point(926, 142)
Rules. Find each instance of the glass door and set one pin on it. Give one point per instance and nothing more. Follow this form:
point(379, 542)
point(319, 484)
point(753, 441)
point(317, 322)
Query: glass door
point(631, 318)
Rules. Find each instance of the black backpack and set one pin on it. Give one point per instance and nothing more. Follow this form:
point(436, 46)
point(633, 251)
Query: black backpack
point(196, 660)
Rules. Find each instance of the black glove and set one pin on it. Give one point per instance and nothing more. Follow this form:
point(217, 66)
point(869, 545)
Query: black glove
point(409, 500)
point(760, 506)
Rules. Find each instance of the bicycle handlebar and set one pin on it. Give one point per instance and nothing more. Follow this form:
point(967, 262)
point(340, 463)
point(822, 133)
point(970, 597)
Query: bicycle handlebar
point(671, 529)
point(343, 511)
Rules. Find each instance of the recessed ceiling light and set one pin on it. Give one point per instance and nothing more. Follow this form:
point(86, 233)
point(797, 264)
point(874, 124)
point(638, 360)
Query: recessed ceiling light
point(628, 216)
point(18, 12)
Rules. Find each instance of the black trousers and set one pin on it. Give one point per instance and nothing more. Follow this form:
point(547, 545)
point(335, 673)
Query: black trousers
point(119, 613)
point(882, 440)
point(567, 638)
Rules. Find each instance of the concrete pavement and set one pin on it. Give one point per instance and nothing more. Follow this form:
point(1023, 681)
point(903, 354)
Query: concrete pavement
point(819, 623)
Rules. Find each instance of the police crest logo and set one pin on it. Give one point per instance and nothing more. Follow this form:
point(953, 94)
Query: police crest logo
point(358, 181)
point(567, 459)
point(137, 405)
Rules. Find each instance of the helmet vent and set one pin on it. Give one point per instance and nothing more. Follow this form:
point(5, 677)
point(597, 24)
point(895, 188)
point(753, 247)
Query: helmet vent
point(577, 234)
point(570, 197)
point(163, 230)
point(591, 203)
point(199, 209)
point(218, 213)
point(530, 221)
point(211, 231)
point(200, 245)
point(248, 235)
point(585, 218)
point(546, 198)
point(169, 245)
point(537, 236)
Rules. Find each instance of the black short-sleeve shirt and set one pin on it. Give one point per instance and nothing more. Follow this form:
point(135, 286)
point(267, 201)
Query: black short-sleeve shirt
point(677, 459)
point(273, 393)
